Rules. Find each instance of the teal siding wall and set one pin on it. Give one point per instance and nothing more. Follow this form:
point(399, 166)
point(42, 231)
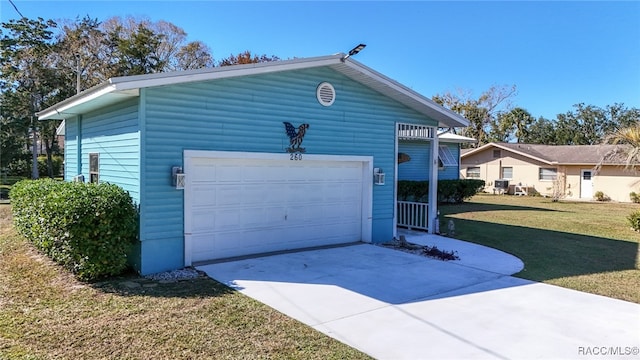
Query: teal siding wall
point(71, 134)
point(418, 167)
point(114, 134)
point(246, 114)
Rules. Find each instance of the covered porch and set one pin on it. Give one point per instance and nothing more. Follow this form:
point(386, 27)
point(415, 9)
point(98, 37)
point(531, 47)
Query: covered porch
point(424, 154)
point(423, 142)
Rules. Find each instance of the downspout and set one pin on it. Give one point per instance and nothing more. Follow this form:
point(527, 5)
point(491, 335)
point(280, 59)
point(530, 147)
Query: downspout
point(433, 181)
point(78, 145)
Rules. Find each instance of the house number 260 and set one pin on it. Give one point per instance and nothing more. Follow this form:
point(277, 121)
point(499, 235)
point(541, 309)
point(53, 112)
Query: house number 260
point(295, 157)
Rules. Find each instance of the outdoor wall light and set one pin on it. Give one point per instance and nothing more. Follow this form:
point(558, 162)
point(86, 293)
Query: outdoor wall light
point(353, 51)
point(378, 176)
point(177, 177)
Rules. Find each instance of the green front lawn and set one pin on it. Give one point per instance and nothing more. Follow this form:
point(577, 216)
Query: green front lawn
point(45, 313)
point(587, 246)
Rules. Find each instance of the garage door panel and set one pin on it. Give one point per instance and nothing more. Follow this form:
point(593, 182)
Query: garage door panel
point(203, 196)
point(203, 172)
point(226, 173)
point(244, 206)
point(202, 221)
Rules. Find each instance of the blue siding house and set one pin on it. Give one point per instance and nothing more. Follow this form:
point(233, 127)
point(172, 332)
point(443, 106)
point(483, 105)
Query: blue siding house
point(417, 168)
point(251, 159)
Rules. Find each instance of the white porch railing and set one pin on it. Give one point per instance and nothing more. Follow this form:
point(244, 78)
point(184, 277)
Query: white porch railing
point(415, 132)
point(413, 215)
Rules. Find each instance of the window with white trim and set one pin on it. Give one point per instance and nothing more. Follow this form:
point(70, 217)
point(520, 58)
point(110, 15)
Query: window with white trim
point(473, 172)
point(547, 174)
point(506, 173)
point(94, 167)
point(446, 157)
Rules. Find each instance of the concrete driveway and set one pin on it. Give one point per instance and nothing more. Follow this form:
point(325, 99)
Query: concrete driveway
point(394, 305)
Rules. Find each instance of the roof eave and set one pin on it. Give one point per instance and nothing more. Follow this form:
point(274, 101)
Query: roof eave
point(101, 95)
point(115, 89)
point(483, 147)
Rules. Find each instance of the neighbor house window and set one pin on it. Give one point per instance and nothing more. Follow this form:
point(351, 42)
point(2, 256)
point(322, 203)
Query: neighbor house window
point(496, 154)
point(506, 173)
point(446, 157)
point(547, 174)
point(94, 168)
point(473, 172)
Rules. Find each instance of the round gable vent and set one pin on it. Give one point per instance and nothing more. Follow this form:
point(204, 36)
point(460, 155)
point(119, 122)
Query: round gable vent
point(326, 94)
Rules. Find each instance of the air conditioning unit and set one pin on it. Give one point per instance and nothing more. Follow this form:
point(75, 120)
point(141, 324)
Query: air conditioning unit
point(501, 184)
point(78, 178)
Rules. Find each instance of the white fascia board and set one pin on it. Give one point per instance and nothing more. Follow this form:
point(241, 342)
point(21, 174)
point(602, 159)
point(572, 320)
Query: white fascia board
point(144, 81)
point(53, 112)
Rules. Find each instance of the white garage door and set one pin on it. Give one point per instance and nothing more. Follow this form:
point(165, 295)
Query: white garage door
point(241, 206)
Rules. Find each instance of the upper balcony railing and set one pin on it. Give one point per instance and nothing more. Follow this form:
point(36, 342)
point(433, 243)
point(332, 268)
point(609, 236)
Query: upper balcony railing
point(415, 132)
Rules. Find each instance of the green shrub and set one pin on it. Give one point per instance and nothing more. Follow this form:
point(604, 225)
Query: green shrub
point(456, 191)
point(634, 220)
point(21, 166)
point(449, 191)
point(87, 228)
point(409, 190)
point(634, 197)
point(600, 196)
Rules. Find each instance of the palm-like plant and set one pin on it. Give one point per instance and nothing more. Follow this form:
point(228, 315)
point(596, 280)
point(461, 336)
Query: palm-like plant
point(629, 138)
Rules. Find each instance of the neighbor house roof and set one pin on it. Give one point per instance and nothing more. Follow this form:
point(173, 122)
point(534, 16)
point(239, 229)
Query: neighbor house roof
point(455, 138)
point(559, 154)
point(119, 88)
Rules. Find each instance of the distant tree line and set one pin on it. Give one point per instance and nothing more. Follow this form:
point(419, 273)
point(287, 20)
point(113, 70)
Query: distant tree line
point(43, 62)
point(492, 118)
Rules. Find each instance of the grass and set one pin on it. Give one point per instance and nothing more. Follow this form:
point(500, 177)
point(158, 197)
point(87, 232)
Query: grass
point(586, 246)
point(45, 313)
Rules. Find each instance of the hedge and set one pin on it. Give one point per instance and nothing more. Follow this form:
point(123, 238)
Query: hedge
point(87, 228)
point(634, 220)
point(21, 166)
point(449, 191)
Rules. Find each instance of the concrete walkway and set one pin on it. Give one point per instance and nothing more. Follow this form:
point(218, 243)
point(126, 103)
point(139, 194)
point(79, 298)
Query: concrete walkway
point(394, 305)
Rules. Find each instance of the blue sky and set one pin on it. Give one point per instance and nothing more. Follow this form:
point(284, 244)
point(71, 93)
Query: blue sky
point(556, 53)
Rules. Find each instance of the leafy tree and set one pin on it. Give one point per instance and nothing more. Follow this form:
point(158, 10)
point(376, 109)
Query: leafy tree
point(589, 125)
point(622, 117)
point(194, 55)
point(13, 132)
point(29, 80)
point(83, 47)
point(246, 58)
point(540, 131)
point(482, 113)
point(136, 51)
point(511, 125)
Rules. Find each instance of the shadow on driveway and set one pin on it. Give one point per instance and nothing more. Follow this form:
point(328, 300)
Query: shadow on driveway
point(394, 305)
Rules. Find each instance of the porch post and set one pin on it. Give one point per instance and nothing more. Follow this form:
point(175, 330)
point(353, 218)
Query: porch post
point(395, 180)
point(433, 181)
